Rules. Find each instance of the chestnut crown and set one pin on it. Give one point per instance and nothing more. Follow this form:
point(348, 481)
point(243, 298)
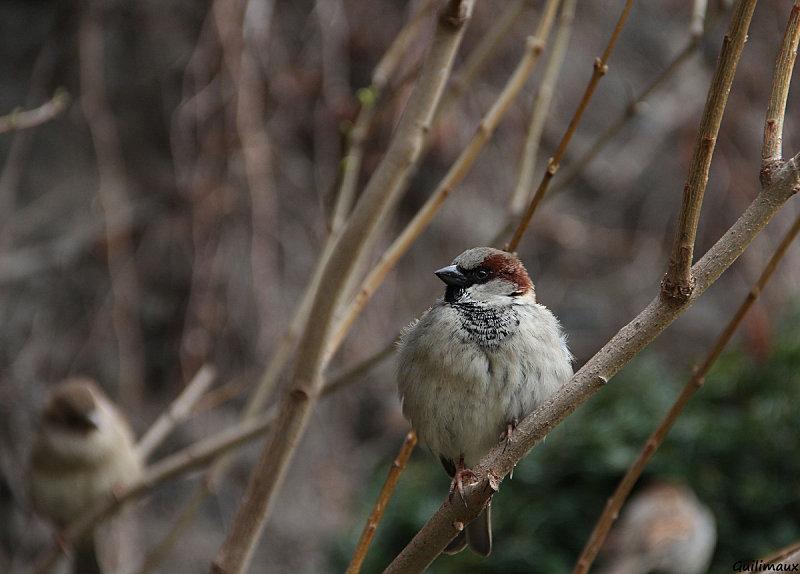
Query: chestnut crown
point(488, 271)
point(73, 406)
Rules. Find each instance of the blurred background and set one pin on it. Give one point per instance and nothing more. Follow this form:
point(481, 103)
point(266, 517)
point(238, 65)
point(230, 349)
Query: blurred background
point(139, 241)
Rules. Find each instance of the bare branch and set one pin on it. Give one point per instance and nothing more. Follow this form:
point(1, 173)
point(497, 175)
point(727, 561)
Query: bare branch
point(382, 502)
point(541, 108)
point(477, 59)
point(454, 176)
point(116, 207)
point(617, 353)
point(368, 97)
point(600, 70)
point(678, 282)
point(614, 504)
point(377, 201)
point(574, 168)
point(772, 150)
point(26, 119)
point(180, 408)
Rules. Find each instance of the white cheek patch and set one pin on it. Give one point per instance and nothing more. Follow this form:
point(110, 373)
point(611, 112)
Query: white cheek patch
point(495, 288)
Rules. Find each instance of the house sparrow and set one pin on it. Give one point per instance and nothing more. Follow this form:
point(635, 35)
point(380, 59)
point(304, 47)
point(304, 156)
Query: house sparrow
point(664, 528)
point(83, 450)
point(475, 364)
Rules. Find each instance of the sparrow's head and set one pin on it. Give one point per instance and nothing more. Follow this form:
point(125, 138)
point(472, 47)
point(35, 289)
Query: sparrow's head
point(73, 407)
point(485, 274)
point(79, 422)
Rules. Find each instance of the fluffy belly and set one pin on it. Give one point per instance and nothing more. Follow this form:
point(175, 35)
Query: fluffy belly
point(461, 413)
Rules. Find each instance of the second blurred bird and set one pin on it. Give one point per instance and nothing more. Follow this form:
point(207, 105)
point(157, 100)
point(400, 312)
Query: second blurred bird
point(83, 450)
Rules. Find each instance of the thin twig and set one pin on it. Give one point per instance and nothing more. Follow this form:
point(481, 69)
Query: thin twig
point(384, 71)
point(772, 150)
point(382, 502)
point(26, 119)
point(600, 69)
point(477, 59)
point(454, 176)
point(180, 408)
point(574, 169)
point(678, 282)
point(614, 504)
point(541, 108)
point(379, 198)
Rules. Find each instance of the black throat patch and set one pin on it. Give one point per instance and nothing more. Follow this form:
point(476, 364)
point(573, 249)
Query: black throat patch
point(487, 325)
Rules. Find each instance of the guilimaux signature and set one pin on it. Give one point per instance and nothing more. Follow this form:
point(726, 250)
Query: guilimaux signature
point(761, 566)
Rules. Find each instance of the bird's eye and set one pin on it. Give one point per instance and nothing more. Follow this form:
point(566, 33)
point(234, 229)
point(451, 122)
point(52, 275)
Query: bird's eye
point(481, 274)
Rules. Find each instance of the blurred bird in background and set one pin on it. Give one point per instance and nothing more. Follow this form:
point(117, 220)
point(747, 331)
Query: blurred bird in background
point(664, 528)
point(83, 450)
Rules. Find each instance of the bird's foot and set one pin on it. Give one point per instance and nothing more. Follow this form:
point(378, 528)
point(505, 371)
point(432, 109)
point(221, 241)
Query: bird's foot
point(462, 475)
point(511, 426)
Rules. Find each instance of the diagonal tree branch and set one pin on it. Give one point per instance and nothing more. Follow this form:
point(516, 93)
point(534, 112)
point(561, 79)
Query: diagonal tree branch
point(382, 502)
point(377, 201)
point(678, 281)
point(772, 150)
point(614, 504)
point(180, 408)
point(541, 108)
point(368, 97)
point(26, 119)
point(600, 70)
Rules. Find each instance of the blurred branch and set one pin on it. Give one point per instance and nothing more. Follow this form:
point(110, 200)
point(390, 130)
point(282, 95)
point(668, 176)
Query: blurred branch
point(541, 107)
point(782, 553)
point(376, 203)
point(26, 119)
point(678, 282)
point(477, 59)
point(600, 70)
point(335, 383)
point(632, 110)
point(115, 204)
point(456, 173)
point(239, 52)
point(772, 150)
point(368, 97)
point(698, 22)
point(614, 504)
point(617, 353)
point(180, 408)
point(382, 502)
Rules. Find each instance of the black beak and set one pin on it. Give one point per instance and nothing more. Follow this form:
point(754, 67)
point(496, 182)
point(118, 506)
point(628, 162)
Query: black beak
point(452, 276)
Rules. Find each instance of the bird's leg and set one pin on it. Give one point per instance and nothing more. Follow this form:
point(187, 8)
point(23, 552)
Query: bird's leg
point(462, 473)
point(511, 426)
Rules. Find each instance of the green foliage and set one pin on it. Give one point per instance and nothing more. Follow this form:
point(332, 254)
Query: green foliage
point(737, 445)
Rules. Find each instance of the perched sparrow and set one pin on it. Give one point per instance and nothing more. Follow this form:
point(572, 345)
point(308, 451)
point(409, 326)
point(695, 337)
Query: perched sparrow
point(475, 364)
point(664, 528)
point(83, 450)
